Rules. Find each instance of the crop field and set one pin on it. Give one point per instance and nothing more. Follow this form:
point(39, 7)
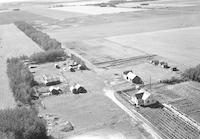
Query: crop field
point(13, 42)
point(134, 23)
point(13, 16)
point(100, 50)
point(53, 14)
point(176, 44)
point(95, 10)
point(165, 121)
point(189, 104)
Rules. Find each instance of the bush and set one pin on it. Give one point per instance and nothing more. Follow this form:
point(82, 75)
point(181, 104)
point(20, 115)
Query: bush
point(173, 80)
point(21, 123)
point(21, 80)
point(37, 36)
point(48, 56)
point(193, 73)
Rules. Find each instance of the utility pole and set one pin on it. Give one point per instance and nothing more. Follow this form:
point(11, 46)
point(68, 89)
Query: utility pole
point(150, 82)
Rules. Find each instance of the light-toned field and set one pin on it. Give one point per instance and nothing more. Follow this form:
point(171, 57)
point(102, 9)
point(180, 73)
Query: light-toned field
point(180, 45)
point(13, 16)
point(95, 10)
point(101, 50)
point(132, 26)
point(13, 43)
point(53, 14)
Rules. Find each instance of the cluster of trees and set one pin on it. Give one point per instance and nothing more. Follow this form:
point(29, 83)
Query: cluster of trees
point(39, 37)
point(21, 123)
point(193, 73)
point(21, 80)
point(174, 80)
point(48, 56)
point(53, 49)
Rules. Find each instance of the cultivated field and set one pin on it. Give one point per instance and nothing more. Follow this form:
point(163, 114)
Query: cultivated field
point(180, 45)
point(12, 43)
point(13, 16)
point(134, 23)
point(53, 14)
point(101, 50)
point(95, 10)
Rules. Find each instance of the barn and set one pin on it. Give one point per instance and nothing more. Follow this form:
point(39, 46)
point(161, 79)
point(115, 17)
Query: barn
point(143, 98)
point(131, 77)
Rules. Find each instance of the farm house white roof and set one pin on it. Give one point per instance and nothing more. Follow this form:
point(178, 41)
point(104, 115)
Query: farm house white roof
point(131, 75)
point(145, 94)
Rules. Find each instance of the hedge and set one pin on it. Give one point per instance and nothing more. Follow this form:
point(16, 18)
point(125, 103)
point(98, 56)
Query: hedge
point(48, 56)
point(21, 80)
point(39, 37)
point(193, 73)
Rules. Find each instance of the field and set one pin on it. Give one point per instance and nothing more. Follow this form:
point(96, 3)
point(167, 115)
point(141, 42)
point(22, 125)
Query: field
point(53, 14)
point(95, 9)
point(100, 50)
point(13, 16)
point(175, 44)
point(12, 43)
point(136, 24)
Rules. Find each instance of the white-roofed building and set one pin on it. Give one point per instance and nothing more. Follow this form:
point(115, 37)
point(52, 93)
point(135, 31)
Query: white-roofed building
point(143, 98)
point(131, 77)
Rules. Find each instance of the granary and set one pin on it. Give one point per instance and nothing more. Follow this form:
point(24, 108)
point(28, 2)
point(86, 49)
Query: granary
point(131, 77)
point(80, 89)
point(154, 62)
point(165, 66)
point(174, 69)
point(55, 90)
point(51, 80)
point(77, 88)
point(143, 98)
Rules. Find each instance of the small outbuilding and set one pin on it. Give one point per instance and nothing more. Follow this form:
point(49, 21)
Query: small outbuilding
point(154, 62)
point(77, 88)
point(51, 80)
point(131, 77)
point(143, 98)
point(55, 90)
point(80, 89)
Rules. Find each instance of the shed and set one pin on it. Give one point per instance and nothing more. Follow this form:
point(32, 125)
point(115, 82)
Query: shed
point(130, 76)
point(73, 90)
point(54, 90)
point(143, 98)
point(51, 80)
point(80, 89)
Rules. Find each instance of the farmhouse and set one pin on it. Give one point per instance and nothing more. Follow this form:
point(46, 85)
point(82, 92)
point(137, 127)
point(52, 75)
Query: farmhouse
point(51, 80)
point(143, 98)
point(131, 77)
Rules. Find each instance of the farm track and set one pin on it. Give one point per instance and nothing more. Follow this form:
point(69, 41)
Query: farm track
point(166, 122)
point(118, 62)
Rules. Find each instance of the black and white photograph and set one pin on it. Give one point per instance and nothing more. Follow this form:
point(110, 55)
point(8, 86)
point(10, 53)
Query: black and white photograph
point(99, 69)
